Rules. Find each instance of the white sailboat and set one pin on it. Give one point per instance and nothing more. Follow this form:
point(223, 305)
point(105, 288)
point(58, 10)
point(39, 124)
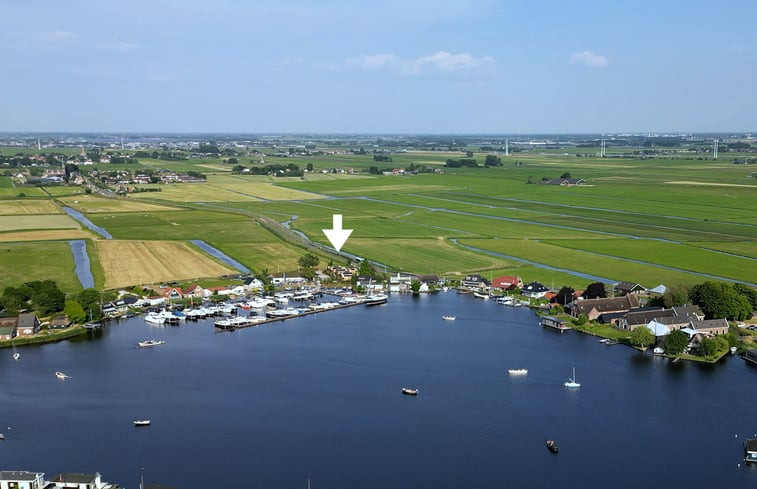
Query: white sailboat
point(571, 382)
point(16, 355)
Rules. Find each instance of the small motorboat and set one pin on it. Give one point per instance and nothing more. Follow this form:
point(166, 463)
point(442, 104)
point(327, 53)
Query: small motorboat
point(149, 343)
point(517, 371)
point(552, 446)
point(141, 422)
point(410, 392)
point(732, 350)
point(16, 355)
point(449, 318)
point(61, 375)
point(2, 436)
point(658, 351)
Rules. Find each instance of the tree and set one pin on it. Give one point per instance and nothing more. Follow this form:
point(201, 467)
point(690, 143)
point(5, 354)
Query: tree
point(415, 286)
point(676, 342)
point(492, 160)
point(748, 292)
point(308, 260)
point(74, 311)
point(89, 299)
point(642, 337)
point(46, 296)
point(309, 167)
point(595, 290)
point(676, 295)
point(565, 175)
point(581, 319)
point(564, 296)
point(710, 347)
point(469, 154)
point(720, 300)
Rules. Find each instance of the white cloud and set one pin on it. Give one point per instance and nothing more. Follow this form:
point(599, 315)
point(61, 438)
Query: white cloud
point(444, 61)
point(587, 58)
point(120, 47)
point(438, 61)
point(372, 61)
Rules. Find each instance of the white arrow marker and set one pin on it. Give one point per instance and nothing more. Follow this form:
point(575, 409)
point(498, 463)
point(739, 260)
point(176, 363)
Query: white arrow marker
point(337, 236)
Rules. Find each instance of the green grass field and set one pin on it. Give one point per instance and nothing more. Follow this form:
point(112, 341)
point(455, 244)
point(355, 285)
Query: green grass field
point(662, 220)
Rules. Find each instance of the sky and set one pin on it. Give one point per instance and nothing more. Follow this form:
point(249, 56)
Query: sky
point(396, 66)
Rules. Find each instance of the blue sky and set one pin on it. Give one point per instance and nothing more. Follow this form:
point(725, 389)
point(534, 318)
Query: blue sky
point(404, 66)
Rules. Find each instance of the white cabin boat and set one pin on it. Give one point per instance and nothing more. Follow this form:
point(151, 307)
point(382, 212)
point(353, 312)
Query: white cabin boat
point(141, 422)
point(61, 375)
point(409, 391)
point(517, 371)
point(149, 343)
point(155, 318)
point(449, 318)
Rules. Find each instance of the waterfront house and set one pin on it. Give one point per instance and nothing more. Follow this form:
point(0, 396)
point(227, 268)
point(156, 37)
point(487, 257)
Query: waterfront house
point(507, 282)
point(430, 279)
point(28, 324)
point(252, 283)
point(643, 316)
point(474, 281)
point(593, 308)
point(61, 321)
point(400, 283)
point(625, 288)
point(21, 479)
point(553, 322)
point(710, 327)
point(8, 328)
point(534, 290)
point(79, 481)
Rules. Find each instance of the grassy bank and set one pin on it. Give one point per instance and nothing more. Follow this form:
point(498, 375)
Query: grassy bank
point(45, 336)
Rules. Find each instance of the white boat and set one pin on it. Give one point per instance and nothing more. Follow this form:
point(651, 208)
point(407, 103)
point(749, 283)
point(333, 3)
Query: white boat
point(658, 351)
point(2, 436)
point(149, 343)
point(141, 422)
point(410, 392)
point(733, 350)
point(506, 300)
point(155, 318)
point(480, 295)
point(571, 382)
point(376, 299)
point(16, 355)
point(449, 318)
point(517, 371)
point(61, 375)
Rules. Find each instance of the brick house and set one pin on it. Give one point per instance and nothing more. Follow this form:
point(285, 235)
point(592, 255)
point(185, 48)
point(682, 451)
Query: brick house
point(28, 324)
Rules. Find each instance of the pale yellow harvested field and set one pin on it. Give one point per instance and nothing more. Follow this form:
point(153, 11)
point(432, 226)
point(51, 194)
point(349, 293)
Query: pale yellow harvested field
point(268, 191)
point(145, 262)
point(712, 184)
point(192, 192)
point(60, 221)
point(19, 207)
point(94, 204)
point(52, 235)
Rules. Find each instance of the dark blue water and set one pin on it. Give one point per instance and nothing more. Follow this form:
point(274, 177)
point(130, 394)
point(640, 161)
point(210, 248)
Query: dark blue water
point(82, 266)
point(83, 219)
point(319, 397)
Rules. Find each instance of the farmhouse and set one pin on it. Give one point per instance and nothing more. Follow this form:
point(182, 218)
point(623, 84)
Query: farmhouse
point(593, 308)
point(674, 318)
point(8, 328)
point(624, 288)
point(565, 182)
point(710, 327)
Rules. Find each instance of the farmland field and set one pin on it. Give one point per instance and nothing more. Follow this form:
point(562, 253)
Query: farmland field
point(26, 207)
point(25, 262)
point(38, 221)
point(144, 262)
point(45, 235)
point(651, 221)
point(93, 203)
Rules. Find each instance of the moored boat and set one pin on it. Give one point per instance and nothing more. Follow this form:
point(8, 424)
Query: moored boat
point(517, 371)
point(571, 382)
point(61, 375)
point(552, 446)
point(449, 318)
point(409, 391)
point(155, 318)
point(376, 299)
point(149, 343)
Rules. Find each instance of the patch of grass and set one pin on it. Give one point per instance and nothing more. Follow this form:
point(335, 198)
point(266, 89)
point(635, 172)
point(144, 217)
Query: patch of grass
point(25, 262)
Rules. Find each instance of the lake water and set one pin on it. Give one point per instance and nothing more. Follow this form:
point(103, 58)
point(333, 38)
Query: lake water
point(319, 397)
